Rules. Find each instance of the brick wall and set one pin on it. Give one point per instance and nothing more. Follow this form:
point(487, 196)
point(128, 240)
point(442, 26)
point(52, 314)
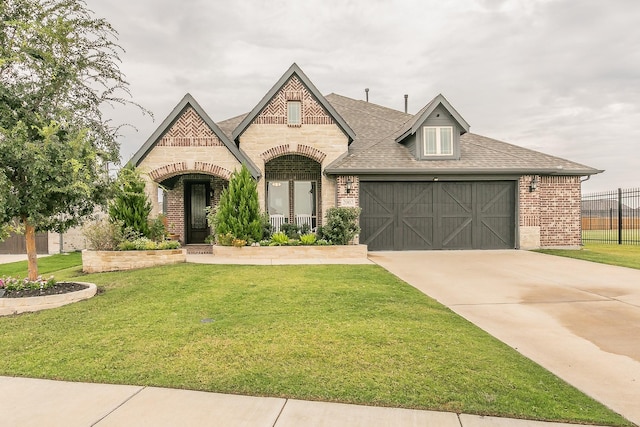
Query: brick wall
point(175, 201)
point(552, 211)
point(560, 211)
point(292, 167)
point(350, 198)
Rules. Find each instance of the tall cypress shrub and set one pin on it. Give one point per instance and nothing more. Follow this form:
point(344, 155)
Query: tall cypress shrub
point(130, 204)
point(238, 212)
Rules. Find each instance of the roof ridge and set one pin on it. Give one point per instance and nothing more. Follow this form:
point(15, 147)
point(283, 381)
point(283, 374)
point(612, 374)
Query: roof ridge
point(369, 113)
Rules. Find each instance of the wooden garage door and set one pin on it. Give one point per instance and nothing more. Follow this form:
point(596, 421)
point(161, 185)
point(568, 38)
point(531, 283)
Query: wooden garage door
point(437, 215)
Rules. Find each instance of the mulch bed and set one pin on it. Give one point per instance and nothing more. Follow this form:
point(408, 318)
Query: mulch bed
point(58, 288)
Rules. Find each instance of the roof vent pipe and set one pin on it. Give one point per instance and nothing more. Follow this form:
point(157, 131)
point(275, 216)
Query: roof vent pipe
point(406, 103)
point(366, 94)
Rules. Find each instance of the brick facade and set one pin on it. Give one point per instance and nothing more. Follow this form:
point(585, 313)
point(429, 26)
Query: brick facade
point(549, 216)
point(175, 200)
point(560, 211)
point(348, 197)
point(292, 167)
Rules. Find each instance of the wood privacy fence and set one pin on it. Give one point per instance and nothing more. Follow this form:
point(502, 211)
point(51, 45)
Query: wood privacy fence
point(611, 216)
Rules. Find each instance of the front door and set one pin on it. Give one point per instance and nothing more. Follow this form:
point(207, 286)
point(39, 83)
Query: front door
point(197, 197)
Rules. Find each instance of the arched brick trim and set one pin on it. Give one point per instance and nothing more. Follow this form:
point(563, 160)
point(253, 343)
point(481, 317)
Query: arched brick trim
point(212, 169)
point(311, 152)
point(274, 152)
point(301, 149)
point(180, 168)
point(168, 171)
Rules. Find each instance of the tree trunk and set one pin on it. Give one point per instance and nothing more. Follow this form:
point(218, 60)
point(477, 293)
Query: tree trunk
point(32, 254)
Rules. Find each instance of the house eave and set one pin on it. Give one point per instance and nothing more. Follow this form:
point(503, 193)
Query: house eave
point(468, 171)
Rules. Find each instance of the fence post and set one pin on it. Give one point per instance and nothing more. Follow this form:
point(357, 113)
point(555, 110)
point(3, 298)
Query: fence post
point(619, 216)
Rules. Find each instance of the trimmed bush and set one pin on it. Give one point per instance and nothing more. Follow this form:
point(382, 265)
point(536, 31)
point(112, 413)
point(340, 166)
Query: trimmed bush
point(341, 225)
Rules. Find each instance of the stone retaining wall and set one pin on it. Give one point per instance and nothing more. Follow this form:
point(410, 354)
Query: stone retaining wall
point(101, 261)
point(22, 305)
point(292, 252)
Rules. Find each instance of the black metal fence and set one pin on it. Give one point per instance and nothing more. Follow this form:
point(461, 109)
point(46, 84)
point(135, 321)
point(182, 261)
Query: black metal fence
point(612, 217)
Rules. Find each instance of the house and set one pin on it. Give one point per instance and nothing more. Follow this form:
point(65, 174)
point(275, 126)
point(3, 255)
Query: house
point(423, 181)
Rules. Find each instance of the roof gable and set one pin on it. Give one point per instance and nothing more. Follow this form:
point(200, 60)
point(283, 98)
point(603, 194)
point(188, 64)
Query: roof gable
point(412, 126)
point(293, 75)
point(194, 124)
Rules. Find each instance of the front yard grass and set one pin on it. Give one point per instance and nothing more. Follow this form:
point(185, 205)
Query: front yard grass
point(620, 255)
point(353, 334)
point(46, 265)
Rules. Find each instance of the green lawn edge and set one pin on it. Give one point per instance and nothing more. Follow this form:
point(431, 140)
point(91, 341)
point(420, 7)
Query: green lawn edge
point(612, 254)
point(351, 334)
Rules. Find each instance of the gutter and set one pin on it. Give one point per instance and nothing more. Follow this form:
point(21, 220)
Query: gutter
point(466, 171)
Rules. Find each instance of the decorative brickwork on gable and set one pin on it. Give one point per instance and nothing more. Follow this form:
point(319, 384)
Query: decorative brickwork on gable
point(189, 131)
point(275, 112)
point(301, 149)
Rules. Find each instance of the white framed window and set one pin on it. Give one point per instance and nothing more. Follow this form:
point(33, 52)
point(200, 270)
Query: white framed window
point(294, 113)
point(438, 140)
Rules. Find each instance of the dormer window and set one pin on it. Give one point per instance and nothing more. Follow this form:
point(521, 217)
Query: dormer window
point(294, 113)
point(438, 140)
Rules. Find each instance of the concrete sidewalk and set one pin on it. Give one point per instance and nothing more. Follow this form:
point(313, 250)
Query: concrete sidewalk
point(31, 402)
point(5, 259)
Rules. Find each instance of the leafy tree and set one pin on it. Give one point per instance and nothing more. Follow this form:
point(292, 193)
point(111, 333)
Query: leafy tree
point(238, 212)
point(130, 205)
point(58, 66)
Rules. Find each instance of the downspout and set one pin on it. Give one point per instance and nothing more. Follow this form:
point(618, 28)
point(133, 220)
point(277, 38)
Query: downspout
point(581, 181)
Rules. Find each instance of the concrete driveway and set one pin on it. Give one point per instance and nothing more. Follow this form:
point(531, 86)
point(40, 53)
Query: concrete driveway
point(578, 319)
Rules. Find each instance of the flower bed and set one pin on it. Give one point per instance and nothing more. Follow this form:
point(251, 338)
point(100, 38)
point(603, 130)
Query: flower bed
point(101, 261)
point(292, 252)
point(21, 305)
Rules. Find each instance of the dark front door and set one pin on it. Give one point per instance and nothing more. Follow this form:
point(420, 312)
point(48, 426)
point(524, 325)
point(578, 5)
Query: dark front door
point(197, 197)
point(437, 215)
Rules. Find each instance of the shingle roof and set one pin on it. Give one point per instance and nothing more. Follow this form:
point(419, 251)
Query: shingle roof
point(375, 151)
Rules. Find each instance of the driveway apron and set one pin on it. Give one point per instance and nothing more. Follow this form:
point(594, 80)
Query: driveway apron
point(578, 319)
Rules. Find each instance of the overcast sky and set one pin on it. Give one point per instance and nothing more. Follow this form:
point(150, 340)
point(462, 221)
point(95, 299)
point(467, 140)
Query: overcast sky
point(558, 76)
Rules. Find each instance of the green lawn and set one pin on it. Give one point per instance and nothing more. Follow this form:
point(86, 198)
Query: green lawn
point(621, 255)
point(334, 333)
point(46, 265)
point(611, 236)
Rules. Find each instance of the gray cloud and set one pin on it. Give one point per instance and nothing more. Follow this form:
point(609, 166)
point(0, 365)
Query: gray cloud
point(558, 76)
